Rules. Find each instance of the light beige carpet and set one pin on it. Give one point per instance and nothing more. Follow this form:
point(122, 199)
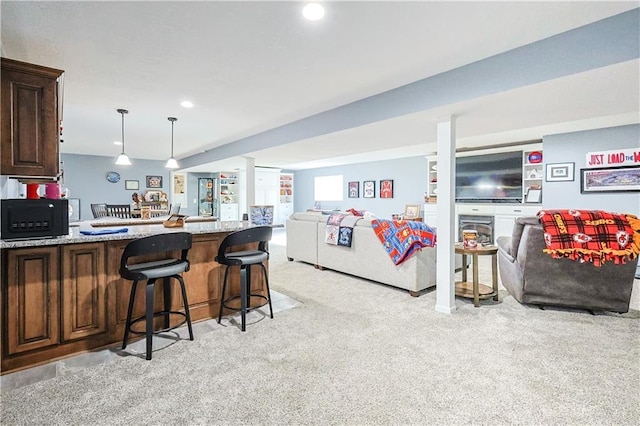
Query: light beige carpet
point(359, 353)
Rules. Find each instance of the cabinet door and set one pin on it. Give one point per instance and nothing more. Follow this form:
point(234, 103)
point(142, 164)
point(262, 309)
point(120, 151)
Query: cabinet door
point(83, 290)
point(32, 288)
point(29, 120)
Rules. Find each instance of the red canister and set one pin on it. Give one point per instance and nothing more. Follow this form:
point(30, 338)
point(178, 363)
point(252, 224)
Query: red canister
point(32, 191)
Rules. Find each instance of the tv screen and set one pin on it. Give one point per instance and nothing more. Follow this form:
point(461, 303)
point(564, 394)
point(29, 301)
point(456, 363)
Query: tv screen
point(492, 178)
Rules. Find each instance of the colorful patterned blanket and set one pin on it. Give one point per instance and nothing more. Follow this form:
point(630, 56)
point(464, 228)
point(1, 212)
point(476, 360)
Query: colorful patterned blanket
point(340, 229)
point(592, 236)
point(401, 239)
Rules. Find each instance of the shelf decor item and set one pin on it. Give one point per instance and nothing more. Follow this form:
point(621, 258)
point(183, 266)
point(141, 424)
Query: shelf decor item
point(560, 172)
point(610, 179)
point(535, 157)
point(369, 189)
point(354, 189)
point(386, 188)
point(534, 195)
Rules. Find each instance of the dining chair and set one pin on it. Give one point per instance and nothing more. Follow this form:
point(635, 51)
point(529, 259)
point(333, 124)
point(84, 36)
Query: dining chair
point(122, 211)
point(99, 210)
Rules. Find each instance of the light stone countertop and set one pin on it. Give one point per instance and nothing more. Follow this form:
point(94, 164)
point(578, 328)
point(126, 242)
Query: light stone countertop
point(133, 232)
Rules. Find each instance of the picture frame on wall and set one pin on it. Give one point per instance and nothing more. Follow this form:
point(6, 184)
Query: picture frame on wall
point(369, 189)
point(354, 189)
point(132, 185)
point(411, 211)
point(560, 172)
point(154, 181)
point(386, 188)
point(610, 179)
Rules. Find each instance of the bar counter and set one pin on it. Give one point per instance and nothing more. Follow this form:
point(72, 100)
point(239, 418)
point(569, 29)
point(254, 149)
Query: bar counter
point(61, 296)
point(136, 228)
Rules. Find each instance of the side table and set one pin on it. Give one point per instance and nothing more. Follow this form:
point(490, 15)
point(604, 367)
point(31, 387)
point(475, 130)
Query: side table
point(475, 289)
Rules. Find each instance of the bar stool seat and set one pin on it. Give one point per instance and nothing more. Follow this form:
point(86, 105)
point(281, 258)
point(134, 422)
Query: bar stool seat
point(245, 259)
point(150, 271)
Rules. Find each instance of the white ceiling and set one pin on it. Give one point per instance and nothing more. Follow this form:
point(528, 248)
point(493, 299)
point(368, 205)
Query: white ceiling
point(253, 66)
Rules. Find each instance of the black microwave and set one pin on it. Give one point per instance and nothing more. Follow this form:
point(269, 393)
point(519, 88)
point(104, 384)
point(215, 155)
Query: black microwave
point(42, 218)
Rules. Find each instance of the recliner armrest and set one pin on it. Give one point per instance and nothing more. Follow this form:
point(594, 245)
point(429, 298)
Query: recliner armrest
point(504, 247)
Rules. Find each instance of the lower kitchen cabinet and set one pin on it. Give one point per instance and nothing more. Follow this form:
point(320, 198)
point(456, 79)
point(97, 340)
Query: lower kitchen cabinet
point(31, 287)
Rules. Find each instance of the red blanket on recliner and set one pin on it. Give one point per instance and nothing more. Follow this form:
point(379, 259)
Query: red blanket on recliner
point(591, 235)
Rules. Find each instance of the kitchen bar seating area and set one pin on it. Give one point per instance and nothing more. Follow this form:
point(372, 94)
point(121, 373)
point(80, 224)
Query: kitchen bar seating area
point(68, 294)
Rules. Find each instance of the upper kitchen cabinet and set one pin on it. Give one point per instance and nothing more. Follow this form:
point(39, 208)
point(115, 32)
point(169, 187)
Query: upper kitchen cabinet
point(29, 120)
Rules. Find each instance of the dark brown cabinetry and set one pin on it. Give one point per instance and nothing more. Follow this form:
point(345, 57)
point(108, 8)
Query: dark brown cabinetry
point(29, 120)
point(32, 289)
point(68, 298)
point(84, 285)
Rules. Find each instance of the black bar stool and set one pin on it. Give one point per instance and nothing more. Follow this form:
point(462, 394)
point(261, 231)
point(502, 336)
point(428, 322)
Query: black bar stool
point(245, 259)
point(166, 268)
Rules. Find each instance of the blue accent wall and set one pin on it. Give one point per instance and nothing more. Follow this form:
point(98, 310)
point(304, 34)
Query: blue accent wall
point(84, 175)
point(573, 147)
point(409, 177)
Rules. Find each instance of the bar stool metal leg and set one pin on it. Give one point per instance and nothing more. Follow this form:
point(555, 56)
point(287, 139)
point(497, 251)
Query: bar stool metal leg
point(244, 294)
point(186, 305)
point(149, 316)
point(266, 281)
point(127, 324)
point(222, 296)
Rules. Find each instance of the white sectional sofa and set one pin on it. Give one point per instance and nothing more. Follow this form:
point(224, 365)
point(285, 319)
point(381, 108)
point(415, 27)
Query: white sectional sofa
point(365, 258)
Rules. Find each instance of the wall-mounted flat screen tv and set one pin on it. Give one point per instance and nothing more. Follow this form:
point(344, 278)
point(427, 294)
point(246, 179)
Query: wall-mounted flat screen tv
point(489, 178)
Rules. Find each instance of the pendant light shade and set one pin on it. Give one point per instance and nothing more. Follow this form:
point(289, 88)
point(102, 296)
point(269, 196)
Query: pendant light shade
point(123, 160)
point(172, 163)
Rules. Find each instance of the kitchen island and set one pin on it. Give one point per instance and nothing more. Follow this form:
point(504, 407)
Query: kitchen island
point(61, 296)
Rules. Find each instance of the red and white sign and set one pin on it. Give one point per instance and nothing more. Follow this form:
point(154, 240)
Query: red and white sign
point(615, 158)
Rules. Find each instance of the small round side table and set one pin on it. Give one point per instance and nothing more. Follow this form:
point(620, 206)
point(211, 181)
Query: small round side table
point(474, 289)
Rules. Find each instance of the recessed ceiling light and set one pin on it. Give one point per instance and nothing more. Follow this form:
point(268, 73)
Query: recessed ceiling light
point(313, 12)
point(117, 143)
point(187, 104)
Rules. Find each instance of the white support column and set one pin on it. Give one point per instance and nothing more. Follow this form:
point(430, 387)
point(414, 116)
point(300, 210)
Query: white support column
point(445, 221)
point(250, 185)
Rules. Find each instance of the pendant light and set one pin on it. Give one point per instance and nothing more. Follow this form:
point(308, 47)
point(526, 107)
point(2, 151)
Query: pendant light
point(172, 163)
point(123, 160)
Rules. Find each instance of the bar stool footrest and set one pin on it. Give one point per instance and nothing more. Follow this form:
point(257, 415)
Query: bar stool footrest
point(249, 308)
point(158, 314)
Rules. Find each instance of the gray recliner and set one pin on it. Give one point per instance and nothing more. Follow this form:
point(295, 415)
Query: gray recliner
point(534, 277)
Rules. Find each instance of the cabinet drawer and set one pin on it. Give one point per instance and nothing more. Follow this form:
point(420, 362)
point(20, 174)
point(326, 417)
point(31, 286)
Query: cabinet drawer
point(476, 209)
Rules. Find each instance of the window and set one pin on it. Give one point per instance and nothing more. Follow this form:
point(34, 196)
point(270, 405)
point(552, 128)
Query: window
point(328, 188)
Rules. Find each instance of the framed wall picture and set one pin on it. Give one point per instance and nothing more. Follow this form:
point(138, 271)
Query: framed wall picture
point(369, 189)
point(386, 188)
point(154, 181)
point(411, 211)
point(560, 172)
point(132, 185)
point(261, 215)
point(354, 189)
point(610, 179)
